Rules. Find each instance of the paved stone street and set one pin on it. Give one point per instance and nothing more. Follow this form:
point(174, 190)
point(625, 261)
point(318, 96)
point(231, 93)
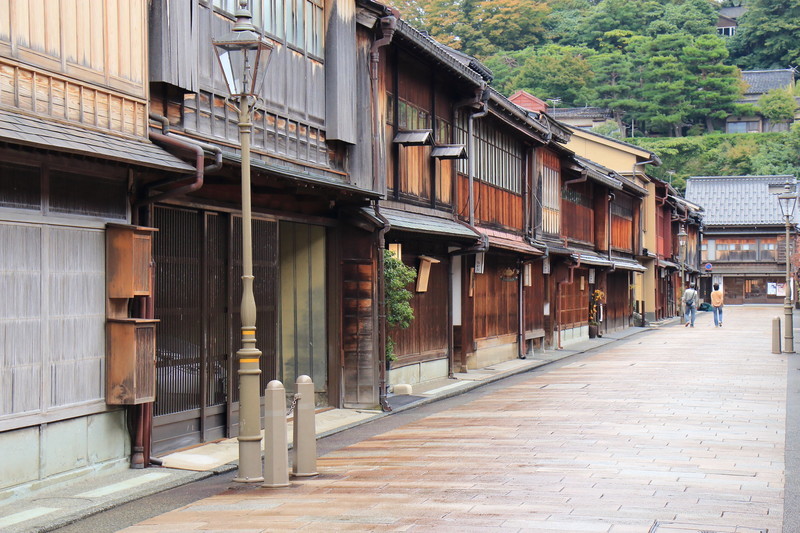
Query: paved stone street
point(675, 430)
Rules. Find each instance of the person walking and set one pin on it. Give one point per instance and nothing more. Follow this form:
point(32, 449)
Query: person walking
point(690, 298)
point(717, 299)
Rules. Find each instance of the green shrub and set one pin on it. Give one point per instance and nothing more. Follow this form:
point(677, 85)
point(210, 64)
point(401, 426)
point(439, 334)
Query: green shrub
point(399, 313)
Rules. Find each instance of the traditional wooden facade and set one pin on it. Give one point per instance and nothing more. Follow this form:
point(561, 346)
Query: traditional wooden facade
point(315, 250)
point(504, 315)
point(743, 244)
point(652, 277)
point(73, 141)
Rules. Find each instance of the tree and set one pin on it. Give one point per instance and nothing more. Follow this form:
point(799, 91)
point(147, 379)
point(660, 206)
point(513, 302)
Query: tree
point(555, 71)
point(665, 83)
point(695, 17)
point(614, 83)
point(609, 15)
point(767, 35)
point(511, 24)
point(778, 105)
point(715, 86)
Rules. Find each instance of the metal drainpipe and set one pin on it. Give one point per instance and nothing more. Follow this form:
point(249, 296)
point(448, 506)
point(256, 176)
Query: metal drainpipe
point(611, 198)
point(584, 177)
point(471, 152)
point(388, 27)
point(382, 310)
point(521, 352)
point(189, 146)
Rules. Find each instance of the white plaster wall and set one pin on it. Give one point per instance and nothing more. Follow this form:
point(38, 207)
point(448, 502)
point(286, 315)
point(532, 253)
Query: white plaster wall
point(36, 456)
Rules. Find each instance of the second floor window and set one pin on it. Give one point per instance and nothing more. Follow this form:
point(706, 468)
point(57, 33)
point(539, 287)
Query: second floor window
point(298, 23)
point(550, 182)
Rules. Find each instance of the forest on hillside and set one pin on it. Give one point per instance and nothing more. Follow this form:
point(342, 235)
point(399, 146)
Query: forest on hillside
point(658, 65)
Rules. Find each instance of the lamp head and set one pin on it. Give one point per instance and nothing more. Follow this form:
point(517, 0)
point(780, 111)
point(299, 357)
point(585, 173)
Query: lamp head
point(243, 55)
point(787, 200)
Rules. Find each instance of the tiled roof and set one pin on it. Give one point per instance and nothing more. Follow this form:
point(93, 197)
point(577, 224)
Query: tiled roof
point(763, 81)
point(33, 131)
point(738, 200)
point(571, 112)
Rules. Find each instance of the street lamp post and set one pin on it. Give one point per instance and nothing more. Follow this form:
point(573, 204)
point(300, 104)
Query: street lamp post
point(682, 243)
point(788, 200)
point(243, 55)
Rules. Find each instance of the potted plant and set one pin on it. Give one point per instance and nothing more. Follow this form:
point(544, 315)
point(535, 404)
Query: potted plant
point(596, 299)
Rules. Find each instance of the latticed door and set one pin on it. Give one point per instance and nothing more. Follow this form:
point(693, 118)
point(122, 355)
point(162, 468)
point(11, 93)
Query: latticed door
point(197, 296)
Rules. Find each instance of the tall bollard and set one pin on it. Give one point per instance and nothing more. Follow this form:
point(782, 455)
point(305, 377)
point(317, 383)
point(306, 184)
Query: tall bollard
point(276, 446)
point(776, 335)
point(304, 451)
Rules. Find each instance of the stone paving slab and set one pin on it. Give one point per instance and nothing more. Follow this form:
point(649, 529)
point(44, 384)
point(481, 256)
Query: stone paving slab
point(678, 429)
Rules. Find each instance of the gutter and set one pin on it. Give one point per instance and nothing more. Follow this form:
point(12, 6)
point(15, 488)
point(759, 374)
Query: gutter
point(196, 148)
point(382, 309)
point(388, 26)
point(471, 151)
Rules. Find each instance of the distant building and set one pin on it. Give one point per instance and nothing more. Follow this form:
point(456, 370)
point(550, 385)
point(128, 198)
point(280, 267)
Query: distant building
point(757, 84)
point(526, 100)
point(743, 246)
point(727, 22)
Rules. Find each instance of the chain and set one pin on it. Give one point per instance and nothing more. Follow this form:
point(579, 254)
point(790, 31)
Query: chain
point(294, 404)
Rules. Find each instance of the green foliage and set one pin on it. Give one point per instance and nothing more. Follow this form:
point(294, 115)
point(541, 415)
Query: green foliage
point(555, 71)
point(724, 154)
point(777, 105)
point(609, 128)
point(397, 276)
point(399, 313)
point(767, 35)
point(656, 63)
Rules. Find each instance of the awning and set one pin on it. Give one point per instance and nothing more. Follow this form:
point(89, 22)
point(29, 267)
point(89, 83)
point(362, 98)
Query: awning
point(668, 264)
point(421, 223)
point(449, 151)
point(414, 137)
point(628, 264)
point(511, 242)
point(62, 137)
point(587, 258)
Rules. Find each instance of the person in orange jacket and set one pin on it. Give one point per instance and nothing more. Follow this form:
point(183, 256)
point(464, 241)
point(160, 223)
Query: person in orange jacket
point(716, 303)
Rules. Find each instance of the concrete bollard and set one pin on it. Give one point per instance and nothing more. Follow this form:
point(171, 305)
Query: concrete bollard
point(304, 451)
point(276, 446)
point(776, 335)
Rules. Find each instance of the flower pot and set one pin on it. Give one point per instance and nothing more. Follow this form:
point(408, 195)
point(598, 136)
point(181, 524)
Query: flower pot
point(592, 331)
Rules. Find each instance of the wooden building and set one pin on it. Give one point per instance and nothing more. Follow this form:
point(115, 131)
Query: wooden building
point(73, 141)
point(315, 249)
point(743, 244)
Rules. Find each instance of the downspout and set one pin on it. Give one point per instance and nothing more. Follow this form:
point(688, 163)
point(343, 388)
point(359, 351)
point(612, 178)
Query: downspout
point(642, 163)
point(521, 352)
point(583, 178)
point(471, 152)
point(198, 149)
point(388, 26)
point(611, 198)
point(642, 215)
point(382, 309)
